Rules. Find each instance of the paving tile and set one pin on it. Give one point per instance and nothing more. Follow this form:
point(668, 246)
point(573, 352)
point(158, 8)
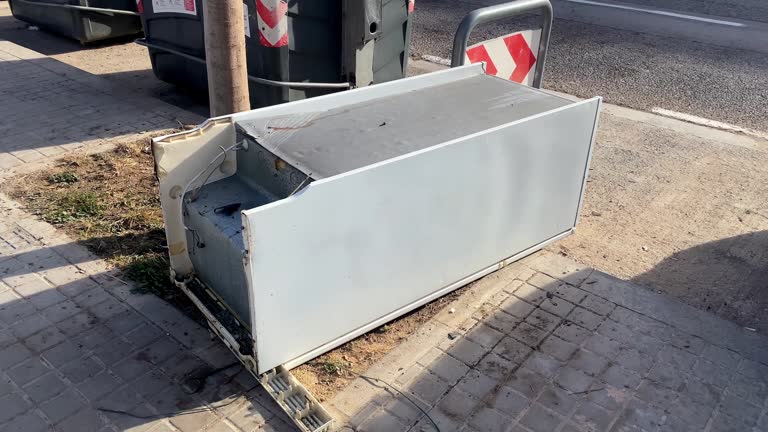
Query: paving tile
point(620, 377)
point(540, 419)
point(477, 384)
point(667, 375)
point(512, 349)
point(99, 385)
point(13, 355)
point(530, 294)
point(458, 403)
point(607, 396)
point(517, 307)
point(603, 346)
point(467, 351)
point(655, 394)
point(572, 332)
point(722, 356)
point(634, 360)
point(573, 380)
point(558, 400)
point(593, 417)
point(84, 420)
point(528, 334)
point(588, 362)
point(29, 325)
point(405, 410)
point(691, 412)
point(44, 387)
point(570, 293)
point(585, 318)
point(639, 415)
point(527, 382)
point(428, 387)
point(382, 421)
point(557, 306)
point(542, 364)
point(62, 353)
point(496, 367)
point(484, 335)
point(44, 339)
point(27, 370)
point(487, 419)
point(510, 402)
point(597, 305)
point(740, 409)
point(13, 405)
point(27, 422)
point(543, 320)
point(62, 406)
point(677, 357)
point(558, 348)
point(502, 321)
point(60, 311)
point(448, 368)
point(81, 369)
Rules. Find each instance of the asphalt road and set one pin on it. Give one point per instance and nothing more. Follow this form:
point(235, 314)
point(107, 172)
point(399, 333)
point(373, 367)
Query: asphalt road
point(683, 58)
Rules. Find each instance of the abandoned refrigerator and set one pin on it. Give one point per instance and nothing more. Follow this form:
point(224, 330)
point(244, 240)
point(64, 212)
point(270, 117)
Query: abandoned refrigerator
point(300, 226)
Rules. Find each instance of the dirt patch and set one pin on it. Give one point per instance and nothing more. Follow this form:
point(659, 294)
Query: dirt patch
point(109, 202)
point(683, 215)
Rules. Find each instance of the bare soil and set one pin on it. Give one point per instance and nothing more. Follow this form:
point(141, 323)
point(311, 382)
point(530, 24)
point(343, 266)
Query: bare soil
point(680, 214)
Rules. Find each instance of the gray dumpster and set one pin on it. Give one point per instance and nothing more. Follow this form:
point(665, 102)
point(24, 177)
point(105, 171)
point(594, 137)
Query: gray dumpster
point(84, 20)
point(312, 47)
point(298, 227)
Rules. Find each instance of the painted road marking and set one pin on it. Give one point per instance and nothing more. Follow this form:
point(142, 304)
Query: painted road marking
point(662, 12)
point(707, 122)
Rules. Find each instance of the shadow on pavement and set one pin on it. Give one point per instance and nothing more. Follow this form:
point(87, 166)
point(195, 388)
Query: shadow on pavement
point(81, 355)
point(45, 42)
point(728, 277)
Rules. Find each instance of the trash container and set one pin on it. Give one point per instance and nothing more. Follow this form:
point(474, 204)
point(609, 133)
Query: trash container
point(84, 20)
point(295, 50)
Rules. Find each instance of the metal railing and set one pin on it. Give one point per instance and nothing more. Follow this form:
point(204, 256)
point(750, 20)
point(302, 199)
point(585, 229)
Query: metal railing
point(344, 85)
point(498, 12)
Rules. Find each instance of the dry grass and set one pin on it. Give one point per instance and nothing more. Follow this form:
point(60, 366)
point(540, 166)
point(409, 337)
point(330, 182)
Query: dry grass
point(109, 202)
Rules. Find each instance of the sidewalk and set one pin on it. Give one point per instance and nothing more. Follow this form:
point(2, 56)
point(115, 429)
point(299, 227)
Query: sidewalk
point(50, 108)
point(544, 345)
point(74, 338)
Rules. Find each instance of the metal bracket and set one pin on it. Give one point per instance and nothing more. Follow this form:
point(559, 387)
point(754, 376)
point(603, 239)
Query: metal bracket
point(498, 12)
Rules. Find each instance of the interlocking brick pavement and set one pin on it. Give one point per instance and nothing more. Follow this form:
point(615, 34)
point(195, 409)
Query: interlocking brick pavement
point(50, 108)
point(545, 345)
point(75, 339)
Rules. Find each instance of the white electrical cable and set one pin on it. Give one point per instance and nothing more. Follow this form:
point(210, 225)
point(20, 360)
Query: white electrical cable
point(194, 179)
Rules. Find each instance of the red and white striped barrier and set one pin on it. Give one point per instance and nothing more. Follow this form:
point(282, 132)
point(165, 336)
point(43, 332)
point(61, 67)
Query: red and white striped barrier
point(273, 24)
point(511, 57)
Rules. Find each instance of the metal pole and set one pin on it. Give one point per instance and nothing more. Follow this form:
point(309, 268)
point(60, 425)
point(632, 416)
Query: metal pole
point(225, 55)
point(497, 12)
point(257, 80)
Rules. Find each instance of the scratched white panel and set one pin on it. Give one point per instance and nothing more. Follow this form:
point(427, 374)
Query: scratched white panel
point(330, 262)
